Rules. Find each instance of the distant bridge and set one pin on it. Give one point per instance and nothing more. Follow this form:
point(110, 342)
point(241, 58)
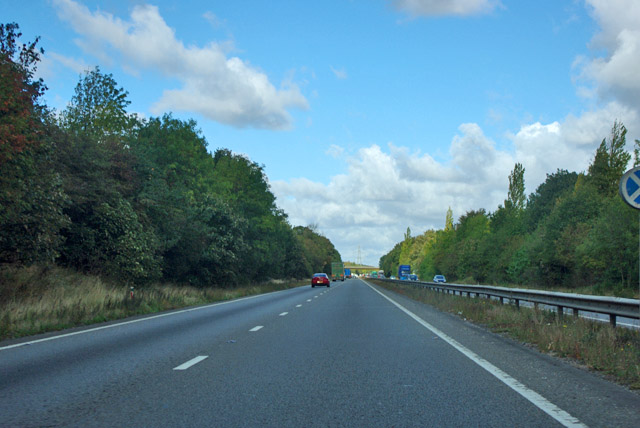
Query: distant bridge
point(355, 268)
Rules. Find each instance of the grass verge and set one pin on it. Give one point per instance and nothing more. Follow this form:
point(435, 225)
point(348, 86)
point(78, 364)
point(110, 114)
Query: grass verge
point(38, 300)
point(614, 352)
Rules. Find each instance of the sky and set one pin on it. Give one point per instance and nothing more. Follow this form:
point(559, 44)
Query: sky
point(369, 116)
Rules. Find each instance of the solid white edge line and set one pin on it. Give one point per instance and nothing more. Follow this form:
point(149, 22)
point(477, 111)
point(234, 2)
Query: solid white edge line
point(46, 339)
point(256, 328)
point(536, 399)
point(192, 362)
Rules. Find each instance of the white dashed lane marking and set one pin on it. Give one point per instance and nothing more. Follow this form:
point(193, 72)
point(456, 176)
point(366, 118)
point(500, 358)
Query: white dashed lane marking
point(283, 314)
point(192, 362)
point(256, 328)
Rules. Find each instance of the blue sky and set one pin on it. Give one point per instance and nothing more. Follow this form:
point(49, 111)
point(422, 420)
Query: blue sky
point(370, 116)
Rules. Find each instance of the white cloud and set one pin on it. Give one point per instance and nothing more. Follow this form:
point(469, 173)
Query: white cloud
point(213, 19)
point(385, 191)
point(225, 89)
point(570, 145)
point(79, 66)
point(339, 73)
point(615, 74)
point(445, 7)
point(335, 151)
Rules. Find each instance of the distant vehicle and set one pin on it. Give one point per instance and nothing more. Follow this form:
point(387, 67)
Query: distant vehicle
point(404, 271)
point(347, 273)
point(373, 274)
point(337, 271)
point(393, 277)
point(381, 275)
point(413, 277)
point(439, 278)
point(320, 279)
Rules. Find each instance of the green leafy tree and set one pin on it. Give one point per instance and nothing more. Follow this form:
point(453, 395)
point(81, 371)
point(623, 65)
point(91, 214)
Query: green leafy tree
point(389, 262)
point(424, 264)
point(318, 251)
point(610, 161)
point(559, 235)
point(98, 108)
point(448, 223)
point(21, 115)
point(608, 254)
point(516, 197)
point(542, 201)
point(470, 231)
point(244, 186)
point(108, 234)
point(405, 251)
point(31, 196)
point(207, 249)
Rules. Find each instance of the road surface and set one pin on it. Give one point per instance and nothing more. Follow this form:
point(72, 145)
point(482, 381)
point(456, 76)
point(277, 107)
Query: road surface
point(349, 355)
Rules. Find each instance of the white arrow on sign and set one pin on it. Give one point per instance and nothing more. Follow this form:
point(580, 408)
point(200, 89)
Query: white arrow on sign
point(630, 187)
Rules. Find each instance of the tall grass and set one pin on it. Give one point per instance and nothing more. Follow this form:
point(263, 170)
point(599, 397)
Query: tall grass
point(598, 346)
point(38, 299)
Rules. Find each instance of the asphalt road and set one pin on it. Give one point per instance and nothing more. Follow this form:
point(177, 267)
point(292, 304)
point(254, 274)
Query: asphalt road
point(326, 357)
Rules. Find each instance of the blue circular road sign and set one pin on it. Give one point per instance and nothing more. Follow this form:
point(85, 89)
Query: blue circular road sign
point(630, 187)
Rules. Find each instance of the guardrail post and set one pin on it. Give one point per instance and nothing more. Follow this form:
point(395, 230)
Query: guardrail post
point(560, 311)
point(517, 301)
point(612, 320)
point(501, 300)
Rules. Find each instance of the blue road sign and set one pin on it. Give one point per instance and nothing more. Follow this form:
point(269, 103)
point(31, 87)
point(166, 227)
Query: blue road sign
point(630, 187)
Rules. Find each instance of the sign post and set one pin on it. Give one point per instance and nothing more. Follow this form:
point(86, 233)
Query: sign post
point(630, 192)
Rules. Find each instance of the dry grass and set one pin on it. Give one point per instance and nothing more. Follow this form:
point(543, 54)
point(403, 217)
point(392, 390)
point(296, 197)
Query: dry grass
point(596, 290)
point(598, 346)
point(37, 300)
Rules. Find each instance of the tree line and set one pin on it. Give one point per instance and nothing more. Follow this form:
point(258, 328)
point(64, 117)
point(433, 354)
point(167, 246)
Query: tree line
point(574, 231)
point(98, 189)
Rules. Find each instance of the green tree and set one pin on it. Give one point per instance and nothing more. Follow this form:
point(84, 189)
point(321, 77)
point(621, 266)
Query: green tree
point(610, 161)
point(448, 223)
point(244, 186)
point(318, 252)
point(516, 197)
point(108, 233)
point(98, 108)
point(542, 201)
point(206, 250)
point(557, 238)
point(389, 262)
point(608, 254)
point(405, 251)
point(21, 115)
point(31, 196)
point(470, 231)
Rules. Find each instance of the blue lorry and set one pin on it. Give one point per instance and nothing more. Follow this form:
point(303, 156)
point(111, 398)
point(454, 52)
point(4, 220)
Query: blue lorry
point(404, 271)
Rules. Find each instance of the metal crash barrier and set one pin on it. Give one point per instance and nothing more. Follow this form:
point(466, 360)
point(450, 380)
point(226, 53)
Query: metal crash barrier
point(612, 306)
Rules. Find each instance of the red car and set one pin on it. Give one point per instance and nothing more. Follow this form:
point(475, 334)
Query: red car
point(320, 279)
